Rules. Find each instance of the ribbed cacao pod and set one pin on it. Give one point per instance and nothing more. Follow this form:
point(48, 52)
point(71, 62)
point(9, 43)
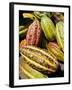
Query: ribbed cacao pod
point(55, 51)
point(29, 15)
point(27, 72)
point(57, 16)
point(60, 34)
point(39, 14)
point(22, 43)
point(39, 59)
point(48, 27)
point(34, 34)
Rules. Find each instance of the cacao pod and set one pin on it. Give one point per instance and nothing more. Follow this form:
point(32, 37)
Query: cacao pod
point(22, 32)
point(39, 14)
point(29, 15)
point(39, 59)
point(54, 50)
point(22, 43)
point(57, 16)
point(21, 27)
point(60, 34)
point(48, 27)
point(34, 34)
point(27, 72)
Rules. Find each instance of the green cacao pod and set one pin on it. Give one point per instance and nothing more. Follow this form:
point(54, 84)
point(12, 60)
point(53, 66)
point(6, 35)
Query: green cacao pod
point(39, 59)
point(60, 34)
point(27, 72)
point(48, 27)
point(39, 14)
point(34, 33)
point(55, 51)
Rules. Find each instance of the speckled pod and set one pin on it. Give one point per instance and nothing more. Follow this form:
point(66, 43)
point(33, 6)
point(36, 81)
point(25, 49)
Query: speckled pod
point(34, 33)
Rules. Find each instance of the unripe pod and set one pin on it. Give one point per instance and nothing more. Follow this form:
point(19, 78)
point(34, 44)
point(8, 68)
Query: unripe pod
point(34, 34)
point(48, 27)
point(60, 34)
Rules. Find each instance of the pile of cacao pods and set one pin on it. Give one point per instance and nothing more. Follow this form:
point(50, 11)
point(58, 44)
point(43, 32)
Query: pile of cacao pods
point(41, 44)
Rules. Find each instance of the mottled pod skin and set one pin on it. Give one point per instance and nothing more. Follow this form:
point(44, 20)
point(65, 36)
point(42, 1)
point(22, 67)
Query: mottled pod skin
point(34, 33)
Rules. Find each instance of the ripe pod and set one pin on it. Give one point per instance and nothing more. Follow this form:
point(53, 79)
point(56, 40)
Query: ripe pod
point(34, 33)
point(55, 51)
point(27, 72)
point(39, 59)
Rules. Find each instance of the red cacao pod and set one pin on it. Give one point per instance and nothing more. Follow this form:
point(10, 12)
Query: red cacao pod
point(34, 33)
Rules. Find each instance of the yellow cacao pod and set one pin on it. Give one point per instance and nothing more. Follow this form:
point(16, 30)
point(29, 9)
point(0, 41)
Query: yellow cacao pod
point(55, 50)
point(27, 72)
point(39, 59)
